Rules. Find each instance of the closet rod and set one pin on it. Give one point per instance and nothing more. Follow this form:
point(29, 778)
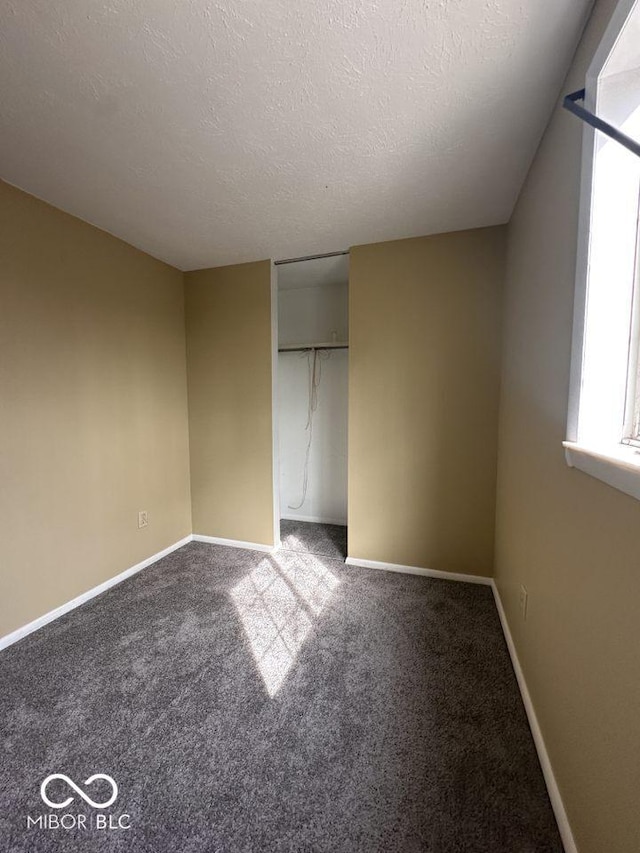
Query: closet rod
point(311, 349)
point(310, 258)
point(571, 103)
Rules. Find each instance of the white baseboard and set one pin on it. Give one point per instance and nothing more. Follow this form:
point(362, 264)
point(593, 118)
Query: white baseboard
point(543, 756)
point(415, 570)
point(19, 633)
point(235, 543)
point(316, 519)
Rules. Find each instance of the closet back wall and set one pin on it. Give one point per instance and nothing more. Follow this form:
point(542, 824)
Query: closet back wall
point(308, 315)
point(424, 368)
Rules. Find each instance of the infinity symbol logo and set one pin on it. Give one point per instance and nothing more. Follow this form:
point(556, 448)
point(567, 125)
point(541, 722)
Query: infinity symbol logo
point(72, 784)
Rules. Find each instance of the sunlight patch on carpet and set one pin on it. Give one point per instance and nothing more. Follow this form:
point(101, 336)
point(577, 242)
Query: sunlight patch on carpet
point(277, 605)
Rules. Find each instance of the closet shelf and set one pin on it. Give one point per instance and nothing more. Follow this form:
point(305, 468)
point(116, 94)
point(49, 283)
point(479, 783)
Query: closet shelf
point(305, 347)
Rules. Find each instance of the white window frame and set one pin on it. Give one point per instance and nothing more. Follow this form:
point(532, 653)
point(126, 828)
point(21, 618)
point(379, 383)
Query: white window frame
point(614, 459)
point(631, 434)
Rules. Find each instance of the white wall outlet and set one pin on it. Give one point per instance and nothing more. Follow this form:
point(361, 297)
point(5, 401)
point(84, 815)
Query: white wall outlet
point(143, 518)
point(524, 601)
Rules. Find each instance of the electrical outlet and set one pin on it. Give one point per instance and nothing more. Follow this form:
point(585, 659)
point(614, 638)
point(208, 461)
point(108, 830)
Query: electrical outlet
point(524, 601)
point(143, 518)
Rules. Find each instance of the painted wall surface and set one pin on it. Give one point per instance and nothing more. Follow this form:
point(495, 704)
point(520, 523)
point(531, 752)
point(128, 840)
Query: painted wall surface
point(310, 315)
point(424, 333)
point(94, 412)
point(573, 541)
point(229, 360)
point(326, 498)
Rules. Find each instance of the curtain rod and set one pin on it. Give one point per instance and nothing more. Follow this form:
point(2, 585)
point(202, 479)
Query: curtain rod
point(570, 103)
point(310, 258)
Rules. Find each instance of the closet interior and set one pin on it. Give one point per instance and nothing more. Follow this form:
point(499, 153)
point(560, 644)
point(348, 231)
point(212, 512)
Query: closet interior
point(313, 402)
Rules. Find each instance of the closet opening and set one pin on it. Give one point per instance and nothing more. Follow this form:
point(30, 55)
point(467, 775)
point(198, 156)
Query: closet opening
point(312, 403)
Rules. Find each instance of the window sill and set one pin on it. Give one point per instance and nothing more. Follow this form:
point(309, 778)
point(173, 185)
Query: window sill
point(618, 466)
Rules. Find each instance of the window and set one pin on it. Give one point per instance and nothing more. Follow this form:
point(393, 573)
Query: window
point(604, 409)
point(632, 409)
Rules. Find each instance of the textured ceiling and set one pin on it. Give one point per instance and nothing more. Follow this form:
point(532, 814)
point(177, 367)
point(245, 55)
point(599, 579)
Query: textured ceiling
point(208, 133)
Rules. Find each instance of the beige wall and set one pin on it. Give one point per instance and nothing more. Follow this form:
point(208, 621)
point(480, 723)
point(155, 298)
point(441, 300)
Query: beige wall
point(230, 407)
point(573, 541)
point(424, 332)
point(93, 424)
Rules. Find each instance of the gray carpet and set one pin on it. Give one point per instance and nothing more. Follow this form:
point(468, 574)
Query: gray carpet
point(251, 702)
point(307, 537)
